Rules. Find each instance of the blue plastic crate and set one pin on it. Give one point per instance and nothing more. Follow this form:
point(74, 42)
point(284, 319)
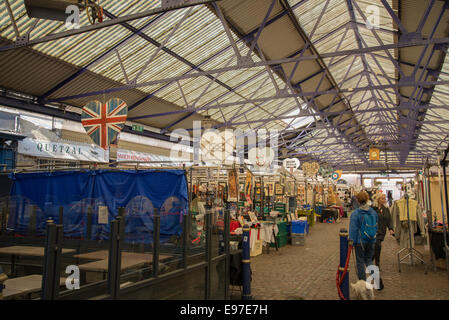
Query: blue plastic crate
point(299, 227)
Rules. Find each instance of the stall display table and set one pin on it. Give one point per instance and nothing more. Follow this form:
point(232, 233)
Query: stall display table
point(340, 210)
point(329, 213)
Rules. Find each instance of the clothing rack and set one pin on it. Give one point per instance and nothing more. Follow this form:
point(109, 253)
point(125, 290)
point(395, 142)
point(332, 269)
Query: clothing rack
point(410, 252)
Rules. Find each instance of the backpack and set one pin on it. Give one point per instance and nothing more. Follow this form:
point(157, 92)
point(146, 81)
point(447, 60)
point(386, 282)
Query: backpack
point(368, 228)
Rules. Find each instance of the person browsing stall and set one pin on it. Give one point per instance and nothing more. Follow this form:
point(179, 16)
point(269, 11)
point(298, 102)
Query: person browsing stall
point(385, 222)
point(362, 232)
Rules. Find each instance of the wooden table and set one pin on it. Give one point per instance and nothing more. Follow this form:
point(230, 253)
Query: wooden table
point(27, 285)
point(104, 254)
point(26, 251)
point(129, 260)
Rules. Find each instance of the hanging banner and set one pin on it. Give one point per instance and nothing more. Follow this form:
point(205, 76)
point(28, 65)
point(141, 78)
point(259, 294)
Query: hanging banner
point(64, 150)
point(232, 186)
point(248, 186)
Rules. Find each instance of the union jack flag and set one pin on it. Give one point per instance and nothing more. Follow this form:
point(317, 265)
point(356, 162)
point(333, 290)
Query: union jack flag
point(103, 122)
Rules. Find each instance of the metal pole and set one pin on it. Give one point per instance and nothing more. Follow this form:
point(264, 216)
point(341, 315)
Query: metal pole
point(208, 253)
point(52, 259)
point(344, 287)
point(429, 214)
point(61, 215)
point(58, 258)
point(3, 222)
point(185, 237)
point(443, 163)
point(114, 259)
point(246, 265)
point(156, 239)
point(410, 234)
point(227, 251)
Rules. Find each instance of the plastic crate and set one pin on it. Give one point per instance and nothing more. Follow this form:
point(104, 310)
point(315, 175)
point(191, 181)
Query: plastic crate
point(280, 207)
point(281, 240)
point(282, 227)
point(299, 227)
point(298, 239)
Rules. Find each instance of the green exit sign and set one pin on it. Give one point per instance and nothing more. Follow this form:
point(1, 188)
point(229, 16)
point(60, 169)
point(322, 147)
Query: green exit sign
point(137, 128)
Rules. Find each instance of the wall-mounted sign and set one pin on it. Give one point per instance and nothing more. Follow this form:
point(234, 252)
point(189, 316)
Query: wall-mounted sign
point(137, 128)
point(63, 150)
point(128, 155)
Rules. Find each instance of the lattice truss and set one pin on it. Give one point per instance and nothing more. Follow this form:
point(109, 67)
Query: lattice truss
point(331, 84)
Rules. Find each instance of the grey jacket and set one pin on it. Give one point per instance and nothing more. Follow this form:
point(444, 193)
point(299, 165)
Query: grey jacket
point(385, 222)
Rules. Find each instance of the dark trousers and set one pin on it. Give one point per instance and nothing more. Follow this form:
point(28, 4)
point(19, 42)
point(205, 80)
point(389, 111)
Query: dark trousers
point(377, 249)
point(364, 257)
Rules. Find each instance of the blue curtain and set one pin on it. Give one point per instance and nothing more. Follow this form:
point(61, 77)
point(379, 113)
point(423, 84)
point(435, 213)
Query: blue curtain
point(139, 192)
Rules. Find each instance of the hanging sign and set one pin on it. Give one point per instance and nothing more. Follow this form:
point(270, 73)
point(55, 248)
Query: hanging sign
point(291, 164)
point(310, 168)
point(374, 154)
point(325, 171)
point(248, 186)
point(261, 158)
point(232, 184)
point(103, 122)
point(336, 175)
point(62, 150)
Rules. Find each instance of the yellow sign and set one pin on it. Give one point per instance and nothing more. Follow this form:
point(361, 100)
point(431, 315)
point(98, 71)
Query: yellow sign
point(374, 154)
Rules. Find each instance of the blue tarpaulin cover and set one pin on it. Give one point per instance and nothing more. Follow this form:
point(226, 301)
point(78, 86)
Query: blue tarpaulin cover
point(139, 192)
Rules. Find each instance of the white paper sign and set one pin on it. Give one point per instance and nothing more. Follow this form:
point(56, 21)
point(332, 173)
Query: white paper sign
point(103, 215)
point(291, 163)
point(63, 150)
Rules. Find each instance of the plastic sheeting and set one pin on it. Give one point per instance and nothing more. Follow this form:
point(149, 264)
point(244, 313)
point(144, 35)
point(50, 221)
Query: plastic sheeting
point(139, 192)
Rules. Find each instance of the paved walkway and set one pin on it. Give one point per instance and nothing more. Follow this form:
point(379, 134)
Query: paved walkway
point(308, 272)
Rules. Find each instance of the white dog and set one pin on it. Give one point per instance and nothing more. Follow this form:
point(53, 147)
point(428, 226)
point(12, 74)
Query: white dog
point(362, 290)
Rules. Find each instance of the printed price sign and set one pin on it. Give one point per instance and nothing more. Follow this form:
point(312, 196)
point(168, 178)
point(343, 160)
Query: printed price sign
point(102, 215)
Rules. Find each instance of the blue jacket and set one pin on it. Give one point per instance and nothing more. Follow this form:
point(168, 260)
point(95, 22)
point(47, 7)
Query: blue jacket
point(356, 222)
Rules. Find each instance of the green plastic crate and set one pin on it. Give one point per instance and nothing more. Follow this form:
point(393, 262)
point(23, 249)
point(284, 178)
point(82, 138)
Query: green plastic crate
point(280, 207)
point(283, 227)
point(281, 240)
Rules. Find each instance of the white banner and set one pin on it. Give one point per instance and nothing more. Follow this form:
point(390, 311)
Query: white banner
point(63, 150)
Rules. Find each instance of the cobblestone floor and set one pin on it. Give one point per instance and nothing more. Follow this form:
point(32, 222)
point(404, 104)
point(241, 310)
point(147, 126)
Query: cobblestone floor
point(308, 272)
